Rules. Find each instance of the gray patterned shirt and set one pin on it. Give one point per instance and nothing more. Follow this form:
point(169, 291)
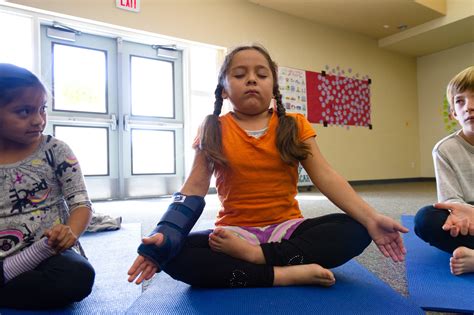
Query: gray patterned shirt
point(37, 193)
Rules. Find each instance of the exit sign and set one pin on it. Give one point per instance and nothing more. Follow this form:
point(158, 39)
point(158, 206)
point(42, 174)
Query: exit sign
point(130, 5)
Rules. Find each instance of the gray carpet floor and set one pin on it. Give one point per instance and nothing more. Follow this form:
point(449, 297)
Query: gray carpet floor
point(391, 199)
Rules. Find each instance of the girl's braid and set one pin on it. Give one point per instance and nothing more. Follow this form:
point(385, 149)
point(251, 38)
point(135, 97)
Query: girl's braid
point(218, 102)
point(278, 98)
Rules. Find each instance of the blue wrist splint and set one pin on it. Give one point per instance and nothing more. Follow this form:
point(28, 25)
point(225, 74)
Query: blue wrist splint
point(175, 225)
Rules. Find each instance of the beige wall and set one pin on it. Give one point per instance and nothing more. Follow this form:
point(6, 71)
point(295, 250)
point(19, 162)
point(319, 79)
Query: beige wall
point(434, 73)
point(390, 150)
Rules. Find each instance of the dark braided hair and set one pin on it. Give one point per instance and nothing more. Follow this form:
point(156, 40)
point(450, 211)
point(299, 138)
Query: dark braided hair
point(13, 80)
point(290, 147)
point(210, 132)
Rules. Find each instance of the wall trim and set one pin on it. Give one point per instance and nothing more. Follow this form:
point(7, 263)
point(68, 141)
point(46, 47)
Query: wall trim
point(392, 181)
point(376, 182)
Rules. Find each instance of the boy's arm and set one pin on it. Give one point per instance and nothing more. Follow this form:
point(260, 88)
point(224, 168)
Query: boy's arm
point(447, 183)
point(460, 220)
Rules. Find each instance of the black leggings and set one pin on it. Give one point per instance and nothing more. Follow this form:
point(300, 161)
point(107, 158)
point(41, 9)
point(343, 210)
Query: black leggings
point(428, 223)
point(56, 282)
point(329, 241)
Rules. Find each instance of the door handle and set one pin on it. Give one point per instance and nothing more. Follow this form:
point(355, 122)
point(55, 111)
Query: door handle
point(113, 122)
point(126, 122)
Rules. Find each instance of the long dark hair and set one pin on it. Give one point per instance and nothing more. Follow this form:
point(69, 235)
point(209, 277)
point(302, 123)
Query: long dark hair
point(13, 80)
point(290, 147)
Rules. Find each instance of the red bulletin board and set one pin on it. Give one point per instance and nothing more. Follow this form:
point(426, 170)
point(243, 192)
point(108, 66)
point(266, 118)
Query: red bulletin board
point(337, 100)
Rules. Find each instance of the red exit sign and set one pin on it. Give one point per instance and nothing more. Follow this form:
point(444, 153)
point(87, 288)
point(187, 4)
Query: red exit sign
point(130, 5)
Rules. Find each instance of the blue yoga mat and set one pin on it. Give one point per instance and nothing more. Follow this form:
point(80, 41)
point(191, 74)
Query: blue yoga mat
point(430, 283)
point(111, 253)
point(357, 291)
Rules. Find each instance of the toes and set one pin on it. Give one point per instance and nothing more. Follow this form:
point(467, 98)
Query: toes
point(327, 283)
point(214, 245)
point(456, 266)
point(327, 279)
point(460, 252)
point(213, 237)
point(219, 232)
point(331, 277)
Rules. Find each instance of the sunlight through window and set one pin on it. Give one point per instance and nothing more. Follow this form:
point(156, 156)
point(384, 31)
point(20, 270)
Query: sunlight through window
point(19, 50)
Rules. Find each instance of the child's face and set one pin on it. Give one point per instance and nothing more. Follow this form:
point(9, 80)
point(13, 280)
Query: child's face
point(249, 83)
point(463, 110)
point(23, 120)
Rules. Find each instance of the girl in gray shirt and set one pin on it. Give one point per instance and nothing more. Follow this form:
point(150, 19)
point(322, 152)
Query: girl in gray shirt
point(44, 206)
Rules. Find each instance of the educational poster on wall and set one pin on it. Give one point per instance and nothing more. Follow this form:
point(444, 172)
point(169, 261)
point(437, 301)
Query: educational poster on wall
point(330, 99)
point(338, 100)
point(450, 124)
point(292, 83)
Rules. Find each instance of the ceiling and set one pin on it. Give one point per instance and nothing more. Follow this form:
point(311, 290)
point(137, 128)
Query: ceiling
point(387, 21)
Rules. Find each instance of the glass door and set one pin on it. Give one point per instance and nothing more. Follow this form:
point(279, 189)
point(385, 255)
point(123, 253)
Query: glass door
point(79, 70)
point(119, 107)
point(152, 138)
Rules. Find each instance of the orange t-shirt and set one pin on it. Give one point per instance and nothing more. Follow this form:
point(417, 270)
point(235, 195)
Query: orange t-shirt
point(257, 188)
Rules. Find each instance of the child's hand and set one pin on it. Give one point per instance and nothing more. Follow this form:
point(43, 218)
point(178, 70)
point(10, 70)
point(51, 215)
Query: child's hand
point(142, 267)
point(460, 220)
point(386, 235)
point(60, 237)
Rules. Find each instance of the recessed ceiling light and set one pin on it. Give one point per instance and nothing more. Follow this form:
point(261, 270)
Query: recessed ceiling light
point(386, 26)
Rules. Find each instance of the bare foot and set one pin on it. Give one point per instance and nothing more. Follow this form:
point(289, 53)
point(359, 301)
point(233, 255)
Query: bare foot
point(227, 242)
point(311, 274)
point(462, 261)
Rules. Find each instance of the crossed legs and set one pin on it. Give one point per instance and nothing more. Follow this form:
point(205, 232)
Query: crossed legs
point(218, 259)
point(428, 223)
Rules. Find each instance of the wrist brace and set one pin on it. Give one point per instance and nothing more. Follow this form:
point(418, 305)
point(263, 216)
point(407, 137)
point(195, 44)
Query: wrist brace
point(175, 225)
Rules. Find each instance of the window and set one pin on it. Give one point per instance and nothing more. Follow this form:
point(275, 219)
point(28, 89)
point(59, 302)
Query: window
point(129, 113)
point(20, 50)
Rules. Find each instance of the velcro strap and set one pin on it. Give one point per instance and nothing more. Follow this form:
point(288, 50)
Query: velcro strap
point(192, 202)
point(177, 217)
point(175, 225)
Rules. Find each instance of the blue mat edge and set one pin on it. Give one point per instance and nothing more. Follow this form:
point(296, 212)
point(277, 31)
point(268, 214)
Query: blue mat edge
point(408, 221)
point(396, 295)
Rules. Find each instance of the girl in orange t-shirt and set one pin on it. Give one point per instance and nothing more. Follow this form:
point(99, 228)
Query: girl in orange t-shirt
point(261, 238)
